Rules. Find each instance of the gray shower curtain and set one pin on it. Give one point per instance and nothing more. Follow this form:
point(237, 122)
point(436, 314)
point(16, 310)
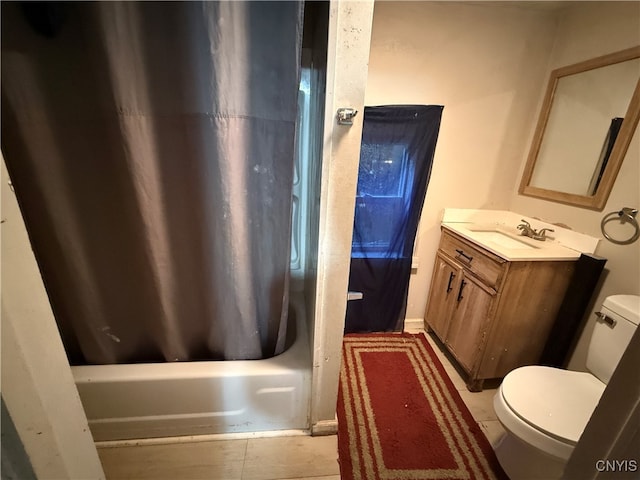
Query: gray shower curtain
point(151, 148)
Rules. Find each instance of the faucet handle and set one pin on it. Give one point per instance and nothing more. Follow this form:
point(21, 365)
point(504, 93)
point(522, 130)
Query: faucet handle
point(524, 224)
point(543, 231)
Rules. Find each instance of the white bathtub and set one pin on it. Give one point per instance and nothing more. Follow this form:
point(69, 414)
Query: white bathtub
point(197, 398)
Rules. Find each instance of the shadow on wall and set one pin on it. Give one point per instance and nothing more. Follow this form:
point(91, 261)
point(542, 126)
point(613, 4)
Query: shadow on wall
point(15, 462)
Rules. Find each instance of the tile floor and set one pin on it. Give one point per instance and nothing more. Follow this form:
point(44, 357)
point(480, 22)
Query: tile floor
point(277, 458)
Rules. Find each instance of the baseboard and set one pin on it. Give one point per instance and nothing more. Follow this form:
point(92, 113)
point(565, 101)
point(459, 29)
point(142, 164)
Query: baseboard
point(199, 438)
point(324, 427)
point(412, 325)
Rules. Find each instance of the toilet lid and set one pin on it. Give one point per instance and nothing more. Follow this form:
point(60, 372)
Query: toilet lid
point(557, 402)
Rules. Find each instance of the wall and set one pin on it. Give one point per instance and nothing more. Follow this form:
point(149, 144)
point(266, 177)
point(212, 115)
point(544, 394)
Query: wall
point(348, 54)
point(485, 64)
point(488, 64)
point(588, 30)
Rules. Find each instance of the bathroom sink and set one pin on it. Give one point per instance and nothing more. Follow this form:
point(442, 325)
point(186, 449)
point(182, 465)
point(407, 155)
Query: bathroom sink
point(497, 232)
point(502, 239)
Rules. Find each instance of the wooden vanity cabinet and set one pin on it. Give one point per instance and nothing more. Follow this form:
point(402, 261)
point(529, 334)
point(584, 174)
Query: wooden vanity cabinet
point(492, 315)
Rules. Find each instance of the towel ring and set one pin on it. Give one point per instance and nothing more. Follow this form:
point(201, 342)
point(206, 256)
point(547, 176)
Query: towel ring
point(625, 215)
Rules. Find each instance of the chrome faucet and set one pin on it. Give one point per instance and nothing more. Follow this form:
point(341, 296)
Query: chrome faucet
point(527, 231)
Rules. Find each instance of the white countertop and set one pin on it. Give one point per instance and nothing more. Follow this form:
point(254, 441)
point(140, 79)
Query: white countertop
point(495, 230)
point(484, 236)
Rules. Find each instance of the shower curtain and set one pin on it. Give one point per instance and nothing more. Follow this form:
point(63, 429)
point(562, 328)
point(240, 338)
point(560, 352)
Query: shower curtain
point(396, 156)
point(151, 148)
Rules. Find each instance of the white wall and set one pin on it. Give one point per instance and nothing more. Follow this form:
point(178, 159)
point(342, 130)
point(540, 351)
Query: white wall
point(486, 64)
point(348, 54)
point(588, 30)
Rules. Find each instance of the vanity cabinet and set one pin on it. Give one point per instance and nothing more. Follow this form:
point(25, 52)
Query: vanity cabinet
point(492, 315)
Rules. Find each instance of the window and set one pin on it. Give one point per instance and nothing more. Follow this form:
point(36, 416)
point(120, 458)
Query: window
point(385, 178)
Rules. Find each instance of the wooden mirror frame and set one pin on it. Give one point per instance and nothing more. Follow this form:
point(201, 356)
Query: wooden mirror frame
point(599, 199)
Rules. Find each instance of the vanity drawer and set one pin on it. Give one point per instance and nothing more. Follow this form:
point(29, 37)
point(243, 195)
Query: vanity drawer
point(483, 264)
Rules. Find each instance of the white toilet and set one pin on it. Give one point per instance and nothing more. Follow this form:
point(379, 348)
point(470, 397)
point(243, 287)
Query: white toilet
point(545, 409)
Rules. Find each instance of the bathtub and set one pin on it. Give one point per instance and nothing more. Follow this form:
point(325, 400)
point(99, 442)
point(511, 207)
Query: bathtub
point(124, 402)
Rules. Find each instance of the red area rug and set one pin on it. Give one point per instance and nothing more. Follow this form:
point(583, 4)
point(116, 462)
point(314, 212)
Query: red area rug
point(400, 417)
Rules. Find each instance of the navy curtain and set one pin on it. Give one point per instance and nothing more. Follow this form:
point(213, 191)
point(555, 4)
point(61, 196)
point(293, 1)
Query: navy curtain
point(398, 144)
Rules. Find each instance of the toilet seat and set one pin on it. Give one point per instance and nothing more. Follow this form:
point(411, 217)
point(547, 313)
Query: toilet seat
point(558, 402)
point(548, 407)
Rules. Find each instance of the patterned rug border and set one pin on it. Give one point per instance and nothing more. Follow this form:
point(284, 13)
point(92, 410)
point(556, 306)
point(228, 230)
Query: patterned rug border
point(361, 454)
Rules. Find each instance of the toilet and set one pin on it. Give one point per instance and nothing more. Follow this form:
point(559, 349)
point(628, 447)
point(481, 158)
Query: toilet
point(545, 410)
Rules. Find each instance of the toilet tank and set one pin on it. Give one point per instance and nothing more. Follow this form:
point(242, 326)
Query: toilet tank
point(617, 321)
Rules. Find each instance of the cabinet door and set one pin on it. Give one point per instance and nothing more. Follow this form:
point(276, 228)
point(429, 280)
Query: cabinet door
point(469, 320)
point(444, 287)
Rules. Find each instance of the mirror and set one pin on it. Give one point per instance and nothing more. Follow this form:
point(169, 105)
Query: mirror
point(589, 114)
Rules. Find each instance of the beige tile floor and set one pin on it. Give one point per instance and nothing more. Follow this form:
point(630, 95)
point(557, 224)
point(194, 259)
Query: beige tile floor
point(277, 458)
